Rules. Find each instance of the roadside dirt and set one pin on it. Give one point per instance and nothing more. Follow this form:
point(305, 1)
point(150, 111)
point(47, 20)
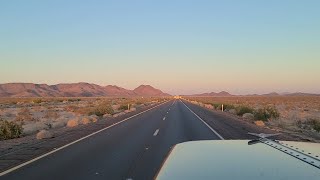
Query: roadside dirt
point(233, 127)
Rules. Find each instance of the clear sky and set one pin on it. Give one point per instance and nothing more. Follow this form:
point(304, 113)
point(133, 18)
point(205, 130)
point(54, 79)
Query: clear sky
point(181, 47)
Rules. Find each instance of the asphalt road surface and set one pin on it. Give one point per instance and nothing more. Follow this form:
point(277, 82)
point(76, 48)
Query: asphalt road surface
point(133, 149)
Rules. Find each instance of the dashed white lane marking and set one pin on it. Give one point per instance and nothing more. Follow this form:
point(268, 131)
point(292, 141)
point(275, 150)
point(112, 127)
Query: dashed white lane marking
point(62, 147)
point(164, 118)
point(156, 132)
point(167, 112)
point(214, 131)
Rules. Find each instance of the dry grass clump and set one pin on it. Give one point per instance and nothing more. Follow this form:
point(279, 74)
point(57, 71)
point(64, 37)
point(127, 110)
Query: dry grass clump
point(44, 134)
point(85, 120)
point(73, 123)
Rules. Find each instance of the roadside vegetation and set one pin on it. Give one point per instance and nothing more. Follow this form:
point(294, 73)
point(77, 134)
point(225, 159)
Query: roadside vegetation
point(9, 130)
point(101, 109)
point(295, 114)
point(30, 116)
point(241, 110)
point(266, 113)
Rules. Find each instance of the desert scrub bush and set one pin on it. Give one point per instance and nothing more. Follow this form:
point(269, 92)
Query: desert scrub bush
point(219, 107)
point(74, 100)
point(123, 107)
point(315, 124)
point(101, 110)
point(58, 100)
point(244, 109)
point(266, 113)
point(260, 114)
point(37, 101)
point(139, 102)
point(216, 105)
point(9, 130)
point(309, 124)
point(228, 106)
point(273, 112)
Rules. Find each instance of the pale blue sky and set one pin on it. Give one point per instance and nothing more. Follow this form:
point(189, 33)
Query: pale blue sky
point(254, 46)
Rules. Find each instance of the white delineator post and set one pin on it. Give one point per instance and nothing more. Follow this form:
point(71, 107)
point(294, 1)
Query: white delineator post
point(222, 107)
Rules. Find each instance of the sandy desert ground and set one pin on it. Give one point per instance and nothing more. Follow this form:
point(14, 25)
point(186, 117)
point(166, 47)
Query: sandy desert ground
point(29, 116)
point(38, 116)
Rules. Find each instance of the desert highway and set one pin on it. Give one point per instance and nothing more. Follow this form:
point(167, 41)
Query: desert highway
point(133, 149)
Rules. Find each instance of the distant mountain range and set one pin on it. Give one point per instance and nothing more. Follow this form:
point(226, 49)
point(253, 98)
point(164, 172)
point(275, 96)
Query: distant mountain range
point(93, 90)
point(224, 94)
point(74, 90)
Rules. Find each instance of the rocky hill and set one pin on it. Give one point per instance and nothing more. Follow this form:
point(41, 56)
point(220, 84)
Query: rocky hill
point(74, 90)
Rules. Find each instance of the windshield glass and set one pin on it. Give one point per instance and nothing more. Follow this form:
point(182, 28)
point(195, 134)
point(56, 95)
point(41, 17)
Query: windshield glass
point(107, 89)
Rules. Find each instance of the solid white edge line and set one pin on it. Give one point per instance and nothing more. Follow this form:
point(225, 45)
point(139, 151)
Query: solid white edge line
point(62, 147)
point(156, 132)
point(214, 131)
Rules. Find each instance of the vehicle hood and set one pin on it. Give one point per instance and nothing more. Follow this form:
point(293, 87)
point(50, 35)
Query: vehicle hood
point(235, 159)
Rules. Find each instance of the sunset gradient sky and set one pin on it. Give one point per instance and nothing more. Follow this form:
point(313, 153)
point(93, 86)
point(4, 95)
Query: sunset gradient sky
point(181, 47)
